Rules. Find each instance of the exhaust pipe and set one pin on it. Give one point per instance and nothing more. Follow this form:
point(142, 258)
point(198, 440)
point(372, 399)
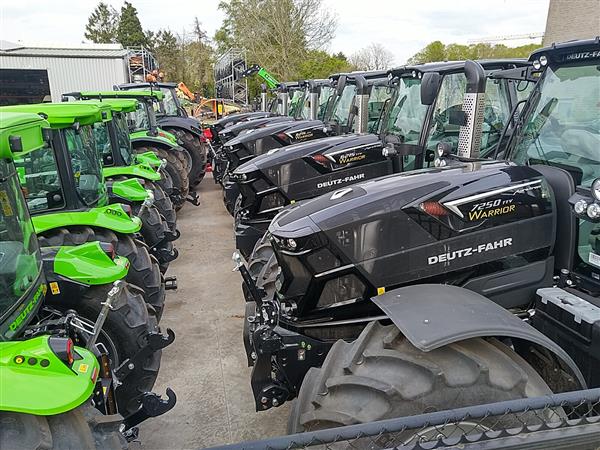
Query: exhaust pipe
point(263, 97)
point(469, 138)
point(362, 100)
point(284, 97)
point(313, 99)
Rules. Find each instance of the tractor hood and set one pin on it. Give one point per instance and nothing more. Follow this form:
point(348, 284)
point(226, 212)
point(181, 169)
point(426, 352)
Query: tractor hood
point(330, 145)
point(234, 118)
point(237, 128)
point(293, 131)
point(404, 227)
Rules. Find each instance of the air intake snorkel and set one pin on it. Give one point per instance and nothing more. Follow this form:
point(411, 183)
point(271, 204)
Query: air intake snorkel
point(469, 138)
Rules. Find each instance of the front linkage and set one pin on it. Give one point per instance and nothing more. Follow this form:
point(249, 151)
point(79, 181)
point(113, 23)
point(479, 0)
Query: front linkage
point(271, 348)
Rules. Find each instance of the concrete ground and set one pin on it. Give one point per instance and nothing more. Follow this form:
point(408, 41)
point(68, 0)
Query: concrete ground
point(206, 365)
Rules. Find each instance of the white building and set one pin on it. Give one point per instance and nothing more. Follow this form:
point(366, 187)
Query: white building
point(30, 73)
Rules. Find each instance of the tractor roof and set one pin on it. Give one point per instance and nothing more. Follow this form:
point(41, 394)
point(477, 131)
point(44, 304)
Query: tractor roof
point(22, 129)
point(457, 66)
point(65, 114)
point(577, 50)
point(137, 94)
point(114, 104)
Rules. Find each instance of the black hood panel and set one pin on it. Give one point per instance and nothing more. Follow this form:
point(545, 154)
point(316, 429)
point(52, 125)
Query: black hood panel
point(237, 128)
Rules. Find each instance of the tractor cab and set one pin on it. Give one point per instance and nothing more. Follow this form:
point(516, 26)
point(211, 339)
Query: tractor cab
point(56, 180)
point(22, 283)
point(168, 105)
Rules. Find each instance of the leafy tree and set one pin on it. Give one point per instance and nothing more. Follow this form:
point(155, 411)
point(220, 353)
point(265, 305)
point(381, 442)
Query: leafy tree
point(102, 24)
point(320, 64)
point(437, 51)
point(129, 31)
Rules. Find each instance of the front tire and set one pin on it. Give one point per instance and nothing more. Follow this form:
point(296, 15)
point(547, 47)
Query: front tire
point(124, 333)
point(382, 375)
point(82, 428)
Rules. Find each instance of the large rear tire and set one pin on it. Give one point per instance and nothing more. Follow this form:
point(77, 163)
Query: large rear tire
point(382, 375)
point(83, 428)
point(144, 271)
point(196, 150)
point(124, 333)
point(154, 231)
point(163, 203)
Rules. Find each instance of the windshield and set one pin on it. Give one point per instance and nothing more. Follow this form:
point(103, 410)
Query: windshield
point(122, 131)
point(86, 164)
point(169, 104)
point(20, 261)
point(38, 175)
point(449, 103)
point(324, 100)
point(564, 131)
point(380, 94)
point(296, 103)
point(407, 114)
point(138, 119)
point(102, 140)
point(341, 109)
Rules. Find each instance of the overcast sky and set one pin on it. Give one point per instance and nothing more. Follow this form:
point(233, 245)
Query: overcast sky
point(404, 27)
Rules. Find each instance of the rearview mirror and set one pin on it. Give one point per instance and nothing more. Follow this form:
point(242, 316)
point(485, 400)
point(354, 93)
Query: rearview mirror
point(430, 85)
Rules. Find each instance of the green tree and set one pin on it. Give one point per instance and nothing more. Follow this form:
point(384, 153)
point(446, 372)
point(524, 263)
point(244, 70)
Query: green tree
point(437, 51)
point(102, 24)
point(320, 64)
point(130, 32)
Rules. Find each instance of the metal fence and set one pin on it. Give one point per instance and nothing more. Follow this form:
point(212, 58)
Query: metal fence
point(562, 421)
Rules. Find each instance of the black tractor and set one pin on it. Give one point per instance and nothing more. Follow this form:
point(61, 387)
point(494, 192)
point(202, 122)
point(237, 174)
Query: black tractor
point(471, 282)
point(352, 94)
point(406, 116)
point(172, 117)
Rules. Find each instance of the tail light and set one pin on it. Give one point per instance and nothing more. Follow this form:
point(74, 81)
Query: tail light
point(63, 349)
point(434, 209)
point(109, 249)
point(162, 134)
point(207, 133)
point(283, 137)
point(322, 160)
point(128, 210)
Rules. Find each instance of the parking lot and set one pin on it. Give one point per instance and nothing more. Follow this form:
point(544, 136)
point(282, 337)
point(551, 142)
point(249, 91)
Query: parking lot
point(206, 365)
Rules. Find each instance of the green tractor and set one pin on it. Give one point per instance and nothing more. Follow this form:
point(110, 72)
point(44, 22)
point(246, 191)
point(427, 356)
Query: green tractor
point(158, 231)
point(48, 385)
point(121, 162)
point(68, 199)
point(145, 136)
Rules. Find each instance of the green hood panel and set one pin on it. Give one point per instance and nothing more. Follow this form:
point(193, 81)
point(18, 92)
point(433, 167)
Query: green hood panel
point(112, 217)
point(142, 136)
point(89, 264)
point(34, 389)
point(144, 171)
point(130, 189)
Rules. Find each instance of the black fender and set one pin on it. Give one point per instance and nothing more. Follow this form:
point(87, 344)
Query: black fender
point(188, 124)
point(435, 315)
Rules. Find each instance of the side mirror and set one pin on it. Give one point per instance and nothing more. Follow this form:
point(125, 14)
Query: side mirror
point(430, 85)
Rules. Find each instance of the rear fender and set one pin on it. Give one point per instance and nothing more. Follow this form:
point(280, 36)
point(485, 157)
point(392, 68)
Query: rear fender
point(112, 217)
point(86, 264)
point(142, 138)
point(183, 123)
point(143, 171)
point(435, 315)
point(34, 389)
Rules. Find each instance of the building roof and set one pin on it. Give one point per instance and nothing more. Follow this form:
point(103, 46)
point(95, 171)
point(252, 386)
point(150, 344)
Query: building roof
point(63, 51)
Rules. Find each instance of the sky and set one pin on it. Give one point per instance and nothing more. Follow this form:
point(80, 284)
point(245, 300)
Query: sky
point(403, 27)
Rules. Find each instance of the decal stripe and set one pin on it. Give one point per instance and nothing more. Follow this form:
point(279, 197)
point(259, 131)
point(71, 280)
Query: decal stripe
point(453, 205)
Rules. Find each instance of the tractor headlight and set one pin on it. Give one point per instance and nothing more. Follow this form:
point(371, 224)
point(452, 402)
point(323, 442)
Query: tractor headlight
point(537, 65)
point(596, 189)
point(593, 211)
point(543, 60)
point(580, 207)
